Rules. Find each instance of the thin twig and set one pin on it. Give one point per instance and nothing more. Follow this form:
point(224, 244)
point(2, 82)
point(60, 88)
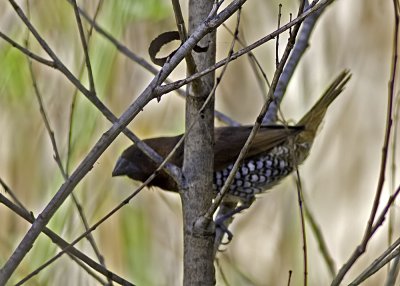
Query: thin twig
point(388, 128)
point(378, 263)
point(75, 93)
point(277, 36)
point(180, 23)
point(375, 227)
point(8, 190)
point(299, 49)
point(43, 113)
point(376, 267)
point(393, 271)
point(219, 232)
point(85, 47)
point(254, 64)
point(294, 33)
point(289, 277)
point(393, 165)
point(27, 52)
point(323, 247)
point(303, 225)
point(381, 218)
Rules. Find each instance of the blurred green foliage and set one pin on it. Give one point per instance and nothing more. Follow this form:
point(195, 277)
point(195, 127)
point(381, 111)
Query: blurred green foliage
point(134, 10)
point(136, 235)
point(14, 76)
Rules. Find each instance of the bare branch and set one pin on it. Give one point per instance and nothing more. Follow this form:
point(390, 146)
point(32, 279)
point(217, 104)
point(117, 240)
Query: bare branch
point(27, 52)
point(180, 23)
point(85, 47)
point(391, 252)
point(298, 51)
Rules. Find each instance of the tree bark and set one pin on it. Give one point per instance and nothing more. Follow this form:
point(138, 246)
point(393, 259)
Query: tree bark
point(198, 163)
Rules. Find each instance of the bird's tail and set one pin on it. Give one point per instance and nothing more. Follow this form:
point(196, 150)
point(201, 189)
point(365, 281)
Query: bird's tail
point(313, 118)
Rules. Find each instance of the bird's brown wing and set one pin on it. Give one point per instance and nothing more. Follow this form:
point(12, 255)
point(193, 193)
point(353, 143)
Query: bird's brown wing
point(230, 140)
point(228, 143)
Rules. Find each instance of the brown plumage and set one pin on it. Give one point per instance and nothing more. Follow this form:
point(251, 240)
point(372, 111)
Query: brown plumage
point(269, 158)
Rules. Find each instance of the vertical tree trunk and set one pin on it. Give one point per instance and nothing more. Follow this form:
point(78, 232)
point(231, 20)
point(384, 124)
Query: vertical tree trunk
point(198, 160)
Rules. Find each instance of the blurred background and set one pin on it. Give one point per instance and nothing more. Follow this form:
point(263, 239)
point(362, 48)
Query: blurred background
point(143, 241)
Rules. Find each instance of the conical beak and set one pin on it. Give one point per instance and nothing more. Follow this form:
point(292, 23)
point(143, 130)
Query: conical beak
point(121, 167)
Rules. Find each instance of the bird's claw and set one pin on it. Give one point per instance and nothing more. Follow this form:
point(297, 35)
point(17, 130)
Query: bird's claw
point(219, 223)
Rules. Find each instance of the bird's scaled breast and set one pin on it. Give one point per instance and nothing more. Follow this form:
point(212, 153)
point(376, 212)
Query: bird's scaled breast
point(257, 174)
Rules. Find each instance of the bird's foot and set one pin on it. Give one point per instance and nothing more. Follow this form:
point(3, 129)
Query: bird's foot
point(221, 227)
point(221, 220)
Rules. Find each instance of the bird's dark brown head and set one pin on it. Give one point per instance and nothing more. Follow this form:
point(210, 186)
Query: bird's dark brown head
point(131, 163)
point(137, 166)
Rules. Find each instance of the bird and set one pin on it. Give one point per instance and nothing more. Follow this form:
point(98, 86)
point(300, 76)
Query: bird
point(274, 153)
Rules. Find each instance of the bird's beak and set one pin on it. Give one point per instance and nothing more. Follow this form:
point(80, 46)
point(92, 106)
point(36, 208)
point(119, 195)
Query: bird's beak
point(121, 167)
